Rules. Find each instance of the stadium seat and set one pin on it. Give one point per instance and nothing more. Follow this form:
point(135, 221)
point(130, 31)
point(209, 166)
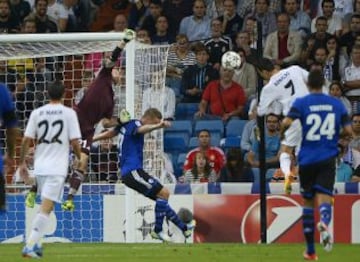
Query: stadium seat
point(235, 127)
point(174, 145)
point(232, 141)
point(181, 128)
point(194, 141)
point(214, 126)
point(186, 111)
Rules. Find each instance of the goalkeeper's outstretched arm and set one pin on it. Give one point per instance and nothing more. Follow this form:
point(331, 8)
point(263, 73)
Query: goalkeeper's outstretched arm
point(129, 35)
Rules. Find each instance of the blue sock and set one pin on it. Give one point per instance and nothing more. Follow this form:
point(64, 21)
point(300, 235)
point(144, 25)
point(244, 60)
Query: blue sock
point(308, 229)
point(160, 212)
point(173, 217)
point(325, 213)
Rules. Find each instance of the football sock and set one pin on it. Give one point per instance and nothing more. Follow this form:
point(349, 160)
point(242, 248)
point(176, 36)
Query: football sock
point(75, 181)
point(2, 193)
point(173, 217)
point(160, 211)
point(325, 213)
point(37, 230)
point(308, 229)
point(285, 163)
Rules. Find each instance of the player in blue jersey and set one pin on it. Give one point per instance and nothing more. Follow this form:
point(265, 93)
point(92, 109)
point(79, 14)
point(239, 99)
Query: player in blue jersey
point(322, 118)
point(8, 119)
point(131, 148)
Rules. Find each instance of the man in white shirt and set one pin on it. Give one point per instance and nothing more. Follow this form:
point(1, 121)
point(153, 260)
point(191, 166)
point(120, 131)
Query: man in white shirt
point(351, 79)
point(334, 21)
point(54, 128)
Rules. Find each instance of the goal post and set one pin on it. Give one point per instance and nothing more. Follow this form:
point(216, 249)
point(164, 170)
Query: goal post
point(20, 58)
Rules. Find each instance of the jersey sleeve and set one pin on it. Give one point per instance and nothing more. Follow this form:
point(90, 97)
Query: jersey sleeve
point(267, 96)
point(74, 127)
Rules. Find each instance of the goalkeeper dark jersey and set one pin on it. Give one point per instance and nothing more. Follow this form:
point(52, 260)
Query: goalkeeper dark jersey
point(97, 103)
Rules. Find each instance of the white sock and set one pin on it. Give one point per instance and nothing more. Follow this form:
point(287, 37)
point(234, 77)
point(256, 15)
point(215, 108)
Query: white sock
point(37, 230)
point(285, 163)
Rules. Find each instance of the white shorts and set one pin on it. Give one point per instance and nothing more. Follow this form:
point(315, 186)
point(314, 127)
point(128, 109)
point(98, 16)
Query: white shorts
point(51, 187)
point(293, 135)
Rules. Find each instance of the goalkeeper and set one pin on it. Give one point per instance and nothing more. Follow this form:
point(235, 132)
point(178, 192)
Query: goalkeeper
point(96, 105)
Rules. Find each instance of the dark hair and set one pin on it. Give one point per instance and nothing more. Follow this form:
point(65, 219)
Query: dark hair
point(56, 90)
point(355, 115)
point(207, 168)
point(261, 63)
point(315, 79)
point(203, 130)
point(336, 82)
point(199, 47)
point(328, 1)
point(321, 18)
point(267, 2)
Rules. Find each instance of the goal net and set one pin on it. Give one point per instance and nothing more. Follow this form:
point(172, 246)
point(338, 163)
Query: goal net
point(27, 64)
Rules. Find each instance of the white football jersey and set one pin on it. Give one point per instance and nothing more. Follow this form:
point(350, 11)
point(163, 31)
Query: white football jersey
point(53, 126)
point(283, 88)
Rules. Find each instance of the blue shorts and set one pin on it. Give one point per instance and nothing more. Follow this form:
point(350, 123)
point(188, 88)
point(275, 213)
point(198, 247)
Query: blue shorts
point(143, 183)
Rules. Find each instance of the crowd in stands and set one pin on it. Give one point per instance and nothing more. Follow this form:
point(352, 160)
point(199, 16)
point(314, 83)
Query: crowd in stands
point(322, 34)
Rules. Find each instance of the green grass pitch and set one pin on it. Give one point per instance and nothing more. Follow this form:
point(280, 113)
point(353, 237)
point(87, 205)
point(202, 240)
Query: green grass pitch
point(106, 252)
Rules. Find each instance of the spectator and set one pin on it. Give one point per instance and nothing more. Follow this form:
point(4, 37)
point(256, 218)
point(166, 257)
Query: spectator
point(9, 23)
point(335, 89)
point(250, 26)
point(201, 171)
point(341, 8)
point(334, 22)
point(320, 35)
point(160, 97)
point(218, 44)
point(355, 141)
point(235, 170)
point(44, 23)
point(267, 18)
point(197, 76)
point(197, 26)
point(20, 9)
point(179, 59)
point(335, 59)
point(162, 35)
point(104, 161)
point(351, 156)
point(215, 155)
point(283, 46)
point(215, 8)
point(225, 98)
point(356, 175)
point(347, 40)
point(177, 10)
point(246, 75)
point(351, 79)
point(299, 20)
point(138, 11)
point(272, 145)
point(242, 40)
point(343, 170)
point(149, 22)
point(347, 17)
point(231, 21)
point(55, 11)
point(69, 22)
point(8, 76)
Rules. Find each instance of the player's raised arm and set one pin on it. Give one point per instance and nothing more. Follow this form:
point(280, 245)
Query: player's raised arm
point(105, 135)
point(150, 127)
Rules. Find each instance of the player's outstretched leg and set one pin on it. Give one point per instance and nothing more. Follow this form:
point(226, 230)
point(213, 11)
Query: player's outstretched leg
point(160, 209)
point(75, 181)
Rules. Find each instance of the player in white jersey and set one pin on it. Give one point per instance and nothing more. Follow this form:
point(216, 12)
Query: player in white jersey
point(284, 86)
point(54, 128)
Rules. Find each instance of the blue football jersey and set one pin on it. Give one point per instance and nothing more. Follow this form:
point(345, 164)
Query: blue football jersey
point(6, 108)
point(131, 146)
point(321, 117)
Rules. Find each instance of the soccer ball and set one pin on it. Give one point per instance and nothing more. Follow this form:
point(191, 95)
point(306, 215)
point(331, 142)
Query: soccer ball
point(185, 215)
point(231, 60)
